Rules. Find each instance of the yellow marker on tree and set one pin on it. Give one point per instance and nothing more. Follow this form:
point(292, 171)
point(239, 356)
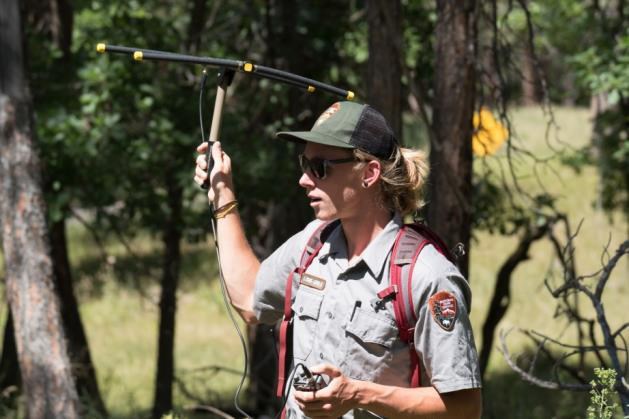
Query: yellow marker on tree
point(489, 133)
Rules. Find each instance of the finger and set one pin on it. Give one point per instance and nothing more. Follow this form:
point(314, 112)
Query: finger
point(200, 173)
point(327, 369)
point(303, 396)
point(201, 161)
point(217, 152)
point(200, 180)
point(201, 148)
point(227, 162)
point(315, 405)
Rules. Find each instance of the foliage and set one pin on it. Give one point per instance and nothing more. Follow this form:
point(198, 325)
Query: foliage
point(601, 405)
point(603, 70)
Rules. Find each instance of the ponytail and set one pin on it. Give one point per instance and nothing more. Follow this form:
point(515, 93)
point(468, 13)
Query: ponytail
point(402, 179)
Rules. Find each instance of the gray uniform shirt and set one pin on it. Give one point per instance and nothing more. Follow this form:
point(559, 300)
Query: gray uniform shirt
point(336, 321)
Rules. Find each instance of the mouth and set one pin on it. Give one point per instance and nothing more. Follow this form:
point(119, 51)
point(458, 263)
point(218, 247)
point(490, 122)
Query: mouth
point(313, 199)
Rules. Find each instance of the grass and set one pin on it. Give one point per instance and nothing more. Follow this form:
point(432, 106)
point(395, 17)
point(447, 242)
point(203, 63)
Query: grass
point(121, 322)
point(531, 306)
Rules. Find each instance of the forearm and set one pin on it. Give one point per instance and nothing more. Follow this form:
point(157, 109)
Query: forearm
point(422, 402)
point(238, 263)
point(343, 394)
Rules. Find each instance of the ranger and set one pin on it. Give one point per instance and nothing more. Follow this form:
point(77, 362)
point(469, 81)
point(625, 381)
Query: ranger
point(361, 184)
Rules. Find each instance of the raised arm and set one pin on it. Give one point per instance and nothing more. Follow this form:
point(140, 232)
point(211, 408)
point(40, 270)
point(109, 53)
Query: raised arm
point(238, 262)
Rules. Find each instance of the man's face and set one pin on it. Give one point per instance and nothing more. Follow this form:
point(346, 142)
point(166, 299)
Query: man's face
point(337, 194)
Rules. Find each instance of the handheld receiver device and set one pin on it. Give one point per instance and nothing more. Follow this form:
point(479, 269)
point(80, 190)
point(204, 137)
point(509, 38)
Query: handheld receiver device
point(307, 381)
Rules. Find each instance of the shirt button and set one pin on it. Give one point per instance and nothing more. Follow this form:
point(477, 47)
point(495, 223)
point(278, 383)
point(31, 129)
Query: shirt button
point(330, 315)
point(301, 309)
point(321, 355)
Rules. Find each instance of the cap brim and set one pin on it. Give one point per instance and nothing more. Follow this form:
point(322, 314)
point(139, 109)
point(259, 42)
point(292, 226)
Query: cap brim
point(312, 137)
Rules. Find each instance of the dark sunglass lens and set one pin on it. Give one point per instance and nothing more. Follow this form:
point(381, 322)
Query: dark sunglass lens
point(303, 163)
point(318, 167)
point(315, 166)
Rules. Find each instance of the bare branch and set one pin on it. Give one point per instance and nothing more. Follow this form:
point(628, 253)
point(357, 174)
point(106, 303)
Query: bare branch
point(609, 267)
point(531, 378)
point(533, 333)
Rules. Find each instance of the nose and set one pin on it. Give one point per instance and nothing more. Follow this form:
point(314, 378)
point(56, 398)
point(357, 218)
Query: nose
point(306, 181)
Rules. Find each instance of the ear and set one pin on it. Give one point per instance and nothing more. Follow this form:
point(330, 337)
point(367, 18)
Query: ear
point(371, 173)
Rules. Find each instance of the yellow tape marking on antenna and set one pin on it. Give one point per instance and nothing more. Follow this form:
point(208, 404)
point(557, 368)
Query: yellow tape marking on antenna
point(101, 47)
point(311, 89)
point(350, 95)
point(248, 67)
point(137, 55)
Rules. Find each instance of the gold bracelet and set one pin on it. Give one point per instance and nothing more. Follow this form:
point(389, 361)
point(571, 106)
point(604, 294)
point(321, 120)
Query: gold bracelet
point(222, 211)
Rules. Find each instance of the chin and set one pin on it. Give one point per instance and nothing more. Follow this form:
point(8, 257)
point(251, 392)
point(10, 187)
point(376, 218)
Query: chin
point(324, 215)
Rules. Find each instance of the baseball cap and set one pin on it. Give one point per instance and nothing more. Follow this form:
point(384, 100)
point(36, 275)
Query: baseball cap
point(349, 125)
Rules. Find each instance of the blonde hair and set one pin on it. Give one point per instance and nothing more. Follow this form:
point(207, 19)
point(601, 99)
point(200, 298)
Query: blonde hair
point(402, 179)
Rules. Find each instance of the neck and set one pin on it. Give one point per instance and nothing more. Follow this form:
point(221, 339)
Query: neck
point(361, 229)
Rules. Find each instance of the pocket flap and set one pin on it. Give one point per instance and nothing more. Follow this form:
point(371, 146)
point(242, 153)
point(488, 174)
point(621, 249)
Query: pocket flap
point(307, 304)
point(372, 328)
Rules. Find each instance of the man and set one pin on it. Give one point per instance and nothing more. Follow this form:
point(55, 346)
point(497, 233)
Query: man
point(355, 172)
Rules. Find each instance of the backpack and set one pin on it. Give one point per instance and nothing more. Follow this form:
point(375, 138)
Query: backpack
point(409, 242)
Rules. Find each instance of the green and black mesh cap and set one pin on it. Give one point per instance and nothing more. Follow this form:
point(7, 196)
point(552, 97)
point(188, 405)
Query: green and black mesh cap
point(350, 125)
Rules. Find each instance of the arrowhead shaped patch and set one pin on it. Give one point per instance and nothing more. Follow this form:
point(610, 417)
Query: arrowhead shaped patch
point(443, 308)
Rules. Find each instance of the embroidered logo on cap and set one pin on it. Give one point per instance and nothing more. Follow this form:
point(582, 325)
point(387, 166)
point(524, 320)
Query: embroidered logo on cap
point(443, 308)
point(312, 281)
point(328, 113)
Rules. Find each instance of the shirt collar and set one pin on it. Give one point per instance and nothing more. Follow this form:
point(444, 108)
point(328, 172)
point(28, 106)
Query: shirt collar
point(376, 253)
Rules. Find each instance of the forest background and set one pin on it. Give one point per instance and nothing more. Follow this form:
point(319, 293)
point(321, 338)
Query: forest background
point(139, 311)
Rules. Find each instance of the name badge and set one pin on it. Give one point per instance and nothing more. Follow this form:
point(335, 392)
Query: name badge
point(312, 281)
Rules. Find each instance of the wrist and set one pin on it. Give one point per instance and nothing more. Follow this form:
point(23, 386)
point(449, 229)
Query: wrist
point(365, 394)
point(223, 198)
point(222, 211)
point(358, 394)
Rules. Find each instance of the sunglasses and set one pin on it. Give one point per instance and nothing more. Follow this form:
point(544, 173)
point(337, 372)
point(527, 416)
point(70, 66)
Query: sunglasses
point(318, 166)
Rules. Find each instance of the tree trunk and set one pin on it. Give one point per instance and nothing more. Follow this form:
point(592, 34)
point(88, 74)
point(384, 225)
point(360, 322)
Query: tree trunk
point(163, 402)
point(83, 369)
point(529, 80)
point(47, 379)
point(82, 366)
point(163, 399)
point(450, 188)
point(62, 22)
point(59, 16)
point(384, 72)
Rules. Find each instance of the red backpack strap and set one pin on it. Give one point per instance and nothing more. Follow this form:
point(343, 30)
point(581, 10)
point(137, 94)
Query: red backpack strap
point(410, 241)
point(434, 239)
point(313, 245)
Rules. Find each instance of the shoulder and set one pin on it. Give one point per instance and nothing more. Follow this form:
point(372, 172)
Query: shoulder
point(291, 249)
point(434, 273)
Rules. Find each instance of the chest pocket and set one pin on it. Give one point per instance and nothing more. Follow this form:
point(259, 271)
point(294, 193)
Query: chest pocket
point(306, 307)
point(370, 339)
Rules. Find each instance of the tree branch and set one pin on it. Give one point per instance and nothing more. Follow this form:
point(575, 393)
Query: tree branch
point(528, 377)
